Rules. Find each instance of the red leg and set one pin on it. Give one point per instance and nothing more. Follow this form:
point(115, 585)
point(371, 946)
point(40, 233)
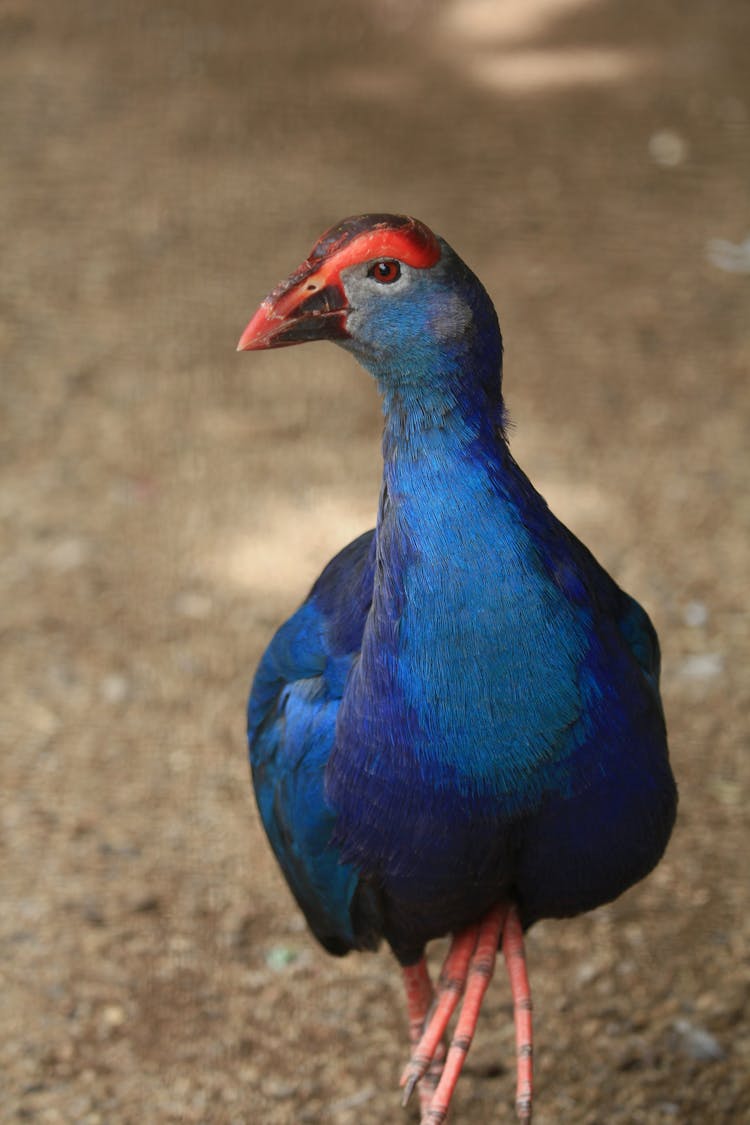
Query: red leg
point(420, 997)
point(450, 987)
point(480, 973)
point(515, 960)
point(469, 965)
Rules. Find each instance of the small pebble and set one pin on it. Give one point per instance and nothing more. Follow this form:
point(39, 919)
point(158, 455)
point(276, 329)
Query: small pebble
point(695, 615)
point(279, 957)
point(728, 256)
point(586, 972)
point(278, 1088)
point(352, 1101)
point(179, 760)
point(192, 604)
point(698, 1043)
point(67, 554)
point(114, 688)
point(113, 1015)
point(702, 666)
point(667, 148)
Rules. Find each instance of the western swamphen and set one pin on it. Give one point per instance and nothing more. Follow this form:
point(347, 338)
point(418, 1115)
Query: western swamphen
point(460, 730)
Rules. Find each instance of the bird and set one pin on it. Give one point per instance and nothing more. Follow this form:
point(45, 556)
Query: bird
point(460, 731)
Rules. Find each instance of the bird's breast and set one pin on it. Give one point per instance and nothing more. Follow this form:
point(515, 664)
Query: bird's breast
point(468, 671)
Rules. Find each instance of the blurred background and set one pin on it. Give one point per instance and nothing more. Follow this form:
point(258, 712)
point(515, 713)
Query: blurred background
point(166, 502)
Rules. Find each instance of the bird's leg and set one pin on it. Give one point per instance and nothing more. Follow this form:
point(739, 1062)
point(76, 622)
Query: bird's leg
point(469, 965)
point(481, 968)
point(420, 996)
point(450, 987)
point(515, 961)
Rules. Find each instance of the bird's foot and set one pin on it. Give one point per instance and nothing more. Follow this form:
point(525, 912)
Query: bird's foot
point(467, 972)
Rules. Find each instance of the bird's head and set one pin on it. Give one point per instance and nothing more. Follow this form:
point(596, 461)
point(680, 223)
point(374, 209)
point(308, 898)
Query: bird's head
point(393, 293)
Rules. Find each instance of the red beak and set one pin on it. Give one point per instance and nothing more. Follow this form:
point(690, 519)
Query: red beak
point(307, 306)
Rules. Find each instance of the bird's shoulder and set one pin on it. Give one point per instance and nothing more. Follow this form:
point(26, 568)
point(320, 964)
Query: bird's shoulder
point(585, 583)
point(321, 638)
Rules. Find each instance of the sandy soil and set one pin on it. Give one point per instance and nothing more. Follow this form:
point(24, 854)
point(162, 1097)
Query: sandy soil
point(166, 502)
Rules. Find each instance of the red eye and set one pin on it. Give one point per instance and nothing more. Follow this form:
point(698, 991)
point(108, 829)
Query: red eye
point(385, 272)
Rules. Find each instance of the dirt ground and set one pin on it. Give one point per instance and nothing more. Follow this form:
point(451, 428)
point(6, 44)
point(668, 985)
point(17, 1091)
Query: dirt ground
point(166, 502)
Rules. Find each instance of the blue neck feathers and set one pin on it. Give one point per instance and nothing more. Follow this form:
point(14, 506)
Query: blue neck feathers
point(455, 657)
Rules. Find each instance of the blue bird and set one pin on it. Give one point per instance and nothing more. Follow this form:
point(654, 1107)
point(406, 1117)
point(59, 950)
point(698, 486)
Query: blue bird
point(460, 730)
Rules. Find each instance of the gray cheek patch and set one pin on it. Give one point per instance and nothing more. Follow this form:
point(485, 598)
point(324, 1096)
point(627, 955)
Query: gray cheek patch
point(450, 317)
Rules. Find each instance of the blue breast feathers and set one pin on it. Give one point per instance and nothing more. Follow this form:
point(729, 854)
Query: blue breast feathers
point(503, 677)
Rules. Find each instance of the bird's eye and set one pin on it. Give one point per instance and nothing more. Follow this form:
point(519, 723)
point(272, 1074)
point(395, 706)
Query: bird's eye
point(385, 272)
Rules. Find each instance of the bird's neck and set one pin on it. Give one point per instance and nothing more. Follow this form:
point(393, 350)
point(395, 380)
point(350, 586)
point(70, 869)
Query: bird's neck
point(449, 501)
point(439, 435)
point(441, 418)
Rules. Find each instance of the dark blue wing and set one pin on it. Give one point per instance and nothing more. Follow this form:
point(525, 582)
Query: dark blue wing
point(640, 635)
point(585, 846)
point(291, 724)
